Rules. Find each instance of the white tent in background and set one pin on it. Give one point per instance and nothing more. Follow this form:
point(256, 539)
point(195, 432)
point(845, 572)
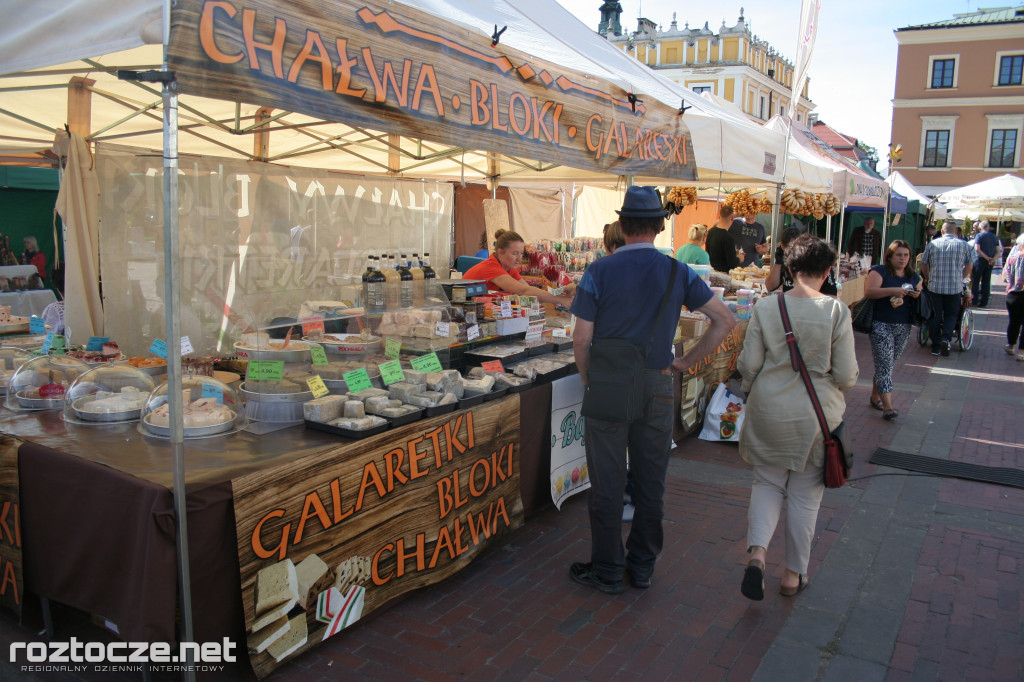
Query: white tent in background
point(901, 185)
point(1005, 191)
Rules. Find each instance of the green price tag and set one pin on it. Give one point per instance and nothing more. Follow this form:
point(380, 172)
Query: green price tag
point(391, 372)
point(357, 380)
point(267, 370)
point(392, 348)
point(427, 363)
point(319, 356)
point(316, 384)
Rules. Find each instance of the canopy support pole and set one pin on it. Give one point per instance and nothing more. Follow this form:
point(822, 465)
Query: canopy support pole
point(172, 302)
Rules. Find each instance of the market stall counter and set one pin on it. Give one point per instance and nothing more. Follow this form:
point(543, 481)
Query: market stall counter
point(97, 517)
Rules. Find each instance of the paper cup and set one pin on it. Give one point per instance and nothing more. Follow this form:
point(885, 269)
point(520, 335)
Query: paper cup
point(719, 292)
point(745, 296)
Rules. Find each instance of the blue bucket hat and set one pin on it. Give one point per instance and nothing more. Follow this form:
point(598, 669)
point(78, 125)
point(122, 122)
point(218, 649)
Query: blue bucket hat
point(642, 202)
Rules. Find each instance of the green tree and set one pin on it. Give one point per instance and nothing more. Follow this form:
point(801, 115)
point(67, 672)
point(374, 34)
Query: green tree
point(869, 150)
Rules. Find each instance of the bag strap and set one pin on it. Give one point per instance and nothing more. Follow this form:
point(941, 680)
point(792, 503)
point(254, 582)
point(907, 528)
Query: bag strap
point(801, 369)
point(664, 302)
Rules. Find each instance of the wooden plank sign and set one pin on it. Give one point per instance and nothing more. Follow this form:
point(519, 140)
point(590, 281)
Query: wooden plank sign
point(394, 68)
point(326, 539)
point(11, 584)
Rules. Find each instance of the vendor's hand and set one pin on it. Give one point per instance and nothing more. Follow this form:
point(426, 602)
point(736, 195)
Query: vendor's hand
point(565, 301)
point(762, 248)
point(569, 290)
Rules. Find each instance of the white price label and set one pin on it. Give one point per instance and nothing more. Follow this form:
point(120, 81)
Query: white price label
point(559, 333)
point(506, 309)
point(473, 332)
point(186, 345)
point(533, 332)
point(442, 329)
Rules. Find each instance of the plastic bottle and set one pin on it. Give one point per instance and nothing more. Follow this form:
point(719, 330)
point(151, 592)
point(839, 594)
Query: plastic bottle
point(405, 276)
point(369, 267)
point(393, 285)
point(428, 272)
point(374, 289)
point(418, 288)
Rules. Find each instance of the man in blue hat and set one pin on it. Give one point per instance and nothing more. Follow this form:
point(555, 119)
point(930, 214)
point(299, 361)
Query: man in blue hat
point(620, 297)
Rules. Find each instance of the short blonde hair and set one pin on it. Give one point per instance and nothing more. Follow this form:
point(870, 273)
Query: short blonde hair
point(697, 231)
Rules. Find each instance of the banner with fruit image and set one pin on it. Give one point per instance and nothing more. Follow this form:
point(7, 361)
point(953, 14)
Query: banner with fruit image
point(326, 539)
point(568, 458)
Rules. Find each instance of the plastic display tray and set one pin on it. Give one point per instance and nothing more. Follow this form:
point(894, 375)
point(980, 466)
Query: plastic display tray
point(495, 394)
point(405, 418)
point(472, 400)
point(441, 409)
point(348, 433)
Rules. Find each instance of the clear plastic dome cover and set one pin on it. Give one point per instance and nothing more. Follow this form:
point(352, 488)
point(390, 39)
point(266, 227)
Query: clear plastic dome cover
point(11, 359)
point(43, 382)
point(211, 407)
point(108, 393)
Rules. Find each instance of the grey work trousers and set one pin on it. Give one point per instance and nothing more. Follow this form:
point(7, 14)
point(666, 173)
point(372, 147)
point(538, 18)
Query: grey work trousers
point(649, 440)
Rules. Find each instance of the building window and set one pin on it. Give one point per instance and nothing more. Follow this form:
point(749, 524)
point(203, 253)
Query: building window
point(1002, 150)
point(782, 110)
point(942, 73)
point(762, 107)
point(936, 148)
point(701, 88)
point(1010, 69)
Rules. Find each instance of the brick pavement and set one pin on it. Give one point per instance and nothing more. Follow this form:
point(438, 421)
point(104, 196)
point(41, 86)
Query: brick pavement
point(913, 577)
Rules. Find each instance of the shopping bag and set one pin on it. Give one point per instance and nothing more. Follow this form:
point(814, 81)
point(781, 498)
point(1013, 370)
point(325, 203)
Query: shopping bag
point(862, 315)
point(923, 308)
point(724, 416)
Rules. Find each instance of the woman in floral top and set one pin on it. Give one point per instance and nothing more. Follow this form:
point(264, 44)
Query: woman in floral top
point(1013, 275)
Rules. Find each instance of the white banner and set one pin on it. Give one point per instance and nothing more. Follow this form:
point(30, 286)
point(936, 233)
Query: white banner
point(569, 473)
point(805, 45)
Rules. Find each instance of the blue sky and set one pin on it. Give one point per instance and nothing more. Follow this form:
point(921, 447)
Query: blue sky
point(853, 68)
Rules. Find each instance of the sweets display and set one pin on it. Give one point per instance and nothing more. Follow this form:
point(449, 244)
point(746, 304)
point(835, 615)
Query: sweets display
point(42, 383)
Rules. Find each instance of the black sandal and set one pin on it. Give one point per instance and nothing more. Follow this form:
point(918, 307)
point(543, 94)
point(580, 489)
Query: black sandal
point(889, 415)
point(753, 581)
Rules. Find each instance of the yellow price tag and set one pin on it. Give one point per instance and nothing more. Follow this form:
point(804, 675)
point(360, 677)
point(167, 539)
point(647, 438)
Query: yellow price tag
point(316, 384)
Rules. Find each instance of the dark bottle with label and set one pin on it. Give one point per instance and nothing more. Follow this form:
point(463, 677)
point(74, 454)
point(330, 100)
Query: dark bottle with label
point(405, 276)
point(374, 290)
point(369, 267)
point(428, 272)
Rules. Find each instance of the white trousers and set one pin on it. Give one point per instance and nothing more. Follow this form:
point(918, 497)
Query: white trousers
point(802, 491)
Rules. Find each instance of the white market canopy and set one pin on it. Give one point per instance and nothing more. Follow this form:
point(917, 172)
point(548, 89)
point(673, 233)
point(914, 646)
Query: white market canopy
point(1004, 192)
point(853, 186)
point(544, 55)
point(901, 185)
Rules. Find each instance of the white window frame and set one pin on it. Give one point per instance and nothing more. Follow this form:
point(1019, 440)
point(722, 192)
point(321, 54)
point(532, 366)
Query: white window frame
point(929, 123)
point(931, 69)
point(999, 59)
point(712, 85)
point(1004, 122)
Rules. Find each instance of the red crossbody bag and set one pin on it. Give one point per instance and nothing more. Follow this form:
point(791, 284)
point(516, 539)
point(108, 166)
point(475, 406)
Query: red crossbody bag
point(837, 460)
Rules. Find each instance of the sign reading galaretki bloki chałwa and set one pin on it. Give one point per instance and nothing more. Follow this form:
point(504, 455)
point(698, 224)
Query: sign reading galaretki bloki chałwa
point(393, 68)
point(326, 539)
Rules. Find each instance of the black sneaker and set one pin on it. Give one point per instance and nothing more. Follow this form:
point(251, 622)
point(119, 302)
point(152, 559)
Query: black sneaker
point(638, 582)
point(935, 350)
point(945, 349)
point(583, 573)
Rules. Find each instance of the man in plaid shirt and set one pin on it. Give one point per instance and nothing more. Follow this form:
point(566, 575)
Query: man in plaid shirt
point(945, 264)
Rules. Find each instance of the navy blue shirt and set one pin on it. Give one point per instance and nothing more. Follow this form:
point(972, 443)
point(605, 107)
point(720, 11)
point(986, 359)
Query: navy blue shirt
point(989, 243)
point(620, 294)
point(884, 312)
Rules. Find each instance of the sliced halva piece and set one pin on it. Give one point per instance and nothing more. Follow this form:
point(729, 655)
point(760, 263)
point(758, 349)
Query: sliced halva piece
point(323, 409)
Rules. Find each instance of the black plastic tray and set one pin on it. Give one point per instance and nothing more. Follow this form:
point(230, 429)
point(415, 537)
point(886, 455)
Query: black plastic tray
point(548, 377)
point(540, 349)
point(406, 418)
point(441, 409)
point(520, 388)
point(472, 400)
point(495, 394)
point(561, 344)
point(474, 358)
point(347, 433)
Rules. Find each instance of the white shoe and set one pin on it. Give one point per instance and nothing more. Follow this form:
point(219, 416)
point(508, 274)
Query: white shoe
point(1008, 348)
point(627, 513)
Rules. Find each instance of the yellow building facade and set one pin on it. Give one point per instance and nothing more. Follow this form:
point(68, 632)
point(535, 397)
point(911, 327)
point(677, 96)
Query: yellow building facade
point(731, 63)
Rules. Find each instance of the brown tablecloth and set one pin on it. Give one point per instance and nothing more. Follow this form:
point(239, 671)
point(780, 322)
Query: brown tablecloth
point(98, 515)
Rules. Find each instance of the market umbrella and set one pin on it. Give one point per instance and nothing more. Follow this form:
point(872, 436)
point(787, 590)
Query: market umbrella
point(1002, 197)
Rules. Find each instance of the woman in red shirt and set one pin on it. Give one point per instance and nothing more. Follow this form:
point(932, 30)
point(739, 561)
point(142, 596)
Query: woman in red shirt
point(501, 274)
point(33, 256)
